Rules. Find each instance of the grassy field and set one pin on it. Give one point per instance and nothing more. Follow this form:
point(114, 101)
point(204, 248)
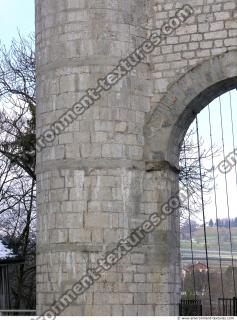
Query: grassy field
point(212, 239)
point(212, 244)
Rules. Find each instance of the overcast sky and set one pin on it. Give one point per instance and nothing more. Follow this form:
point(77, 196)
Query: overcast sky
point(229, 145)
point(19, 15)
point(16, 15)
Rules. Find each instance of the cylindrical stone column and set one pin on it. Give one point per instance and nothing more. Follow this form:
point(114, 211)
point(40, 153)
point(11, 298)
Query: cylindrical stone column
point(93, 190)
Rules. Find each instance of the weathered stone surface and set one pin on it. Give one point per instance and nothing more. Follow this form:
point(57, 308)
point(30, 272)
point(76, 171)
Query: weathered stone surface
point(118, 162)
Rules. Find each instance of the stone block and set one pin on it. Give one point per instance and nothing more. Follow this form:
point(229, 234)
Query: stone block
point(146, 310)
point(79, 235)
point(130, 310)
point(112, 151)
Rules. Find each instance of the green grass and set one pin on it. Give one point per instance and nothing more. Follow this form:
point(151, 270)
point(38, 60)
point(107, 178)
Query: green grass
point(212, 239)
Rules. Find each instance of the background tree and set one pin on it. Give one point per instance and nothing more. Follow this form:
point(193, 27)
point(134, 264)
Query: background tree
point(211, 223)
point(189, 177)
point(235, 222)
point(17, 162)
point(185, 228)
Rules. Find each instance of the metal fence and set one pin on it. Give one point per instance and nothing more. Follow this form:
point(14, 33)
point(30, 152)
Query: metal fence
point(17, 312)
point(190, 308)
point(227, 307)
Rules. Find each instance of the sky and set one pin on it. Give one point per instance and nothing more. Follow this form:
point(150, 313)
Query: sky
point(19, 15)
point(225, 192)
point(16, 15)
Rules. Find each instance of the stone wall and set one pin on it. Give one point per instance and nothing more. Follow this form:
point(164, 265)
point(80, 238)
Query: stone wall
point(103, 176)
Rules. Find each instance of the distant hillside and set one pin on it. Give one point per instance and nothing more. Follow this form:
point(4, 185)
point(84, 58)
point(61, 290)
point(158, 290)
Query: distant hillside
point(212, 239)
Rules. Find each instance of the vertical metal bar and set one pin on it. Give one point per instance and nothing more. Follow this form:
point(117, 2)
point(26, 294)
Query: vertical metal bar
point(227, 192)
point(190, 227)
point(204, 218)
point(215, 197)
point(235, 164)
point(8, 287)
point(235, 306)
point(4, 287)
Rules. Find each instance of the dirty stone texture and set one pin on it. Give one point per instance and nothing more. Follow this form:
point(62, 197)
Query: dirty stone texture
point(117, 163)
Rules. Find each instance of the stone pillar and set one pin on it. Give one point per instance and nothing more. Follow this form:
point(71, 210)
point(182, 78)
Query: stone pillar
point(93, 188)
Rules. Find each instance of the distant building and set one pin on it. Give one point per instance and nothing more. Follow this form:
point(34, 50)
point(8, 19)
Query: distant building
point(198, 267)
point(7, 258)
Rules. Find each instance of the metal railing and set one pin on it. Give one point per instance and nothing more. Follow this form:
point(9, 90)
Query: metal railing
point(190, 308)
point(17, 312)
point(227, 307)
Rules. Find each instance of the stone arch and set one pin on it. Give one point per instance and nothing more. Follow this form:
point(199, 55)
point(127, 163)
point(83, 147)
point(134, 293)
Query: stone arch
point(167, 124)
point(164, 131)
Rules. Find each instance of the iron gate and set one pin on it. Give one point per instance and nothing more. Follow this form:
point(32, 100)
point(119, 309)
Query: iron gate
point(212, 137)
point(227, 307)
point(190, 308)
